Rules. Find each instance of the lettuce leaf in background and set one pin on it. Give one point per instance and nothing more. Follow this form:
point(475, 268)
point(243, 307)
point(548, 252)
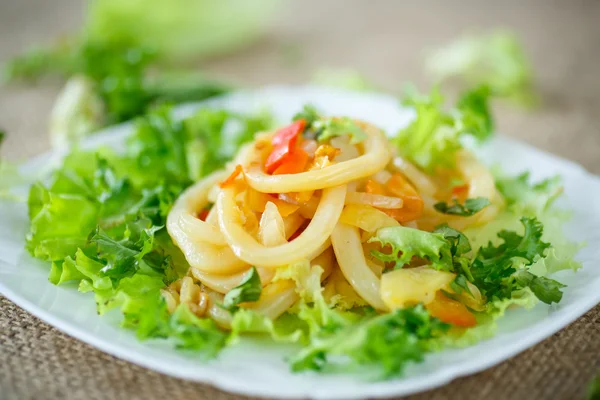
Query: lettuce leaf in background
point(10, 176)
point(132, 55)
point(77, 111)
point(343, 78)
point(497, 60)
point(179, 28)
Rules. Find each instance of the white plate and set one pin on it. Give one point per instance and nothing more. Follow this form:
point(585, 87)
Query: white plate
point(253, 368)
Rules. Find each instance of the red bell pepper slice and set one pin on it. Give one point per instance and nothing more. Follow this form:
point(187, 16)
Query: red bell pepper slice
point(203, 214)
point(284, 143)
point(294, 163)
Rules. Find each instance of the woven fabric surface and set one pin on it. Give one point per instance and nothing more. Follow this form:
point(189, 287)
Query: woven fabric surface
point(385, 40)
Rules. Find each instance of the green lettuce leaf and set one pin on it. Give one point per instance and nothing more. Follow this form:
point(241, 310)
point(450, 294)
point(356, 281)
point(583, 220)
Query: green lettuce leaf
point(332, 127)
point(434, 136)
point(524, 197)
point(407, 243)
point(60, 223)
point(249, 289)
point(501, 270)
point(287, 328)
point(99, 219)
point(193, 333)
point(309, 114)
point(431, 138)
point(459, 248)
point(384, 344)
point(545, 289)
point(496, 60)
point(487, 322)
point(476, 117)
point(179, 28)
point(348, 79)
point(468, 208)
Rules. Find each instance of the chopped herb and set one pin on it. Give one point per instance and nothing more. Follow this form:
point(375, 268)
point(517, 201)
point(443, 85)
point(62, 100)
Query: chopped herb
point(470, 207)
point(343, 126)
point(494, 267)
point(309, 114)
point(249, 289)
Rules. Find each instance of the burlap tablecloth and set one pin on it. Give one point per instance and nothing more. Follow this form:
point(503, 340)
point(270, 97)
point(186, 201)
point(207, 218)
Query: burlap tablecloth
point(385, 40)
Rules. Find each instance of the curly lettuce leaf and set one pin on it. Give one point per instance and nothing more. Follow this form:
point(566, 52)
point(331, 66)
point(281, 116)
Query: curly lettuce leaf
point(385, 344)
point(496, 60)
point(145, 311)
point(459, 248)
point(288, 328)
point(193, 333)
point(494, 267)
point(99, 219)
point(433, 137)
point(183, 151)
point(476, 117)
point(466, 209)
point(37, 61)
point(525, 197)
point(501, 270)
point(60, 223)
point(487, 322)
point(407, 243)
point(313, 308)
point(430, 139)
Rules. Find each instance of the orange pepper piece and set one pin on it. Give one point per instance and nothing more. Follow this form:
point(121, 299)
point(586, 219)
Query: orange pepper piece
point(374, 187)
point(294, 163)
point(460, 192)
point(256, 201)
point(451, 311)
point(413, 203)
point(231, 178)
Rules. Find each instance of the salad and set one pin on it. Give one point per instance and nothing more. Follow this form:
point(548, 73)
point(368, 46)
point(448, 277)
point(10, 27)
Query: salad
point(363, 251)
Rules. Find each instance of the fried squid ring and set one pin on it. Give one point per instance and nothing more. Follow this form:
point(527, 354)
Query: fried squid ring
point(304, 247)
point(348, 250)
point(198, 239)
point(376, 156)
